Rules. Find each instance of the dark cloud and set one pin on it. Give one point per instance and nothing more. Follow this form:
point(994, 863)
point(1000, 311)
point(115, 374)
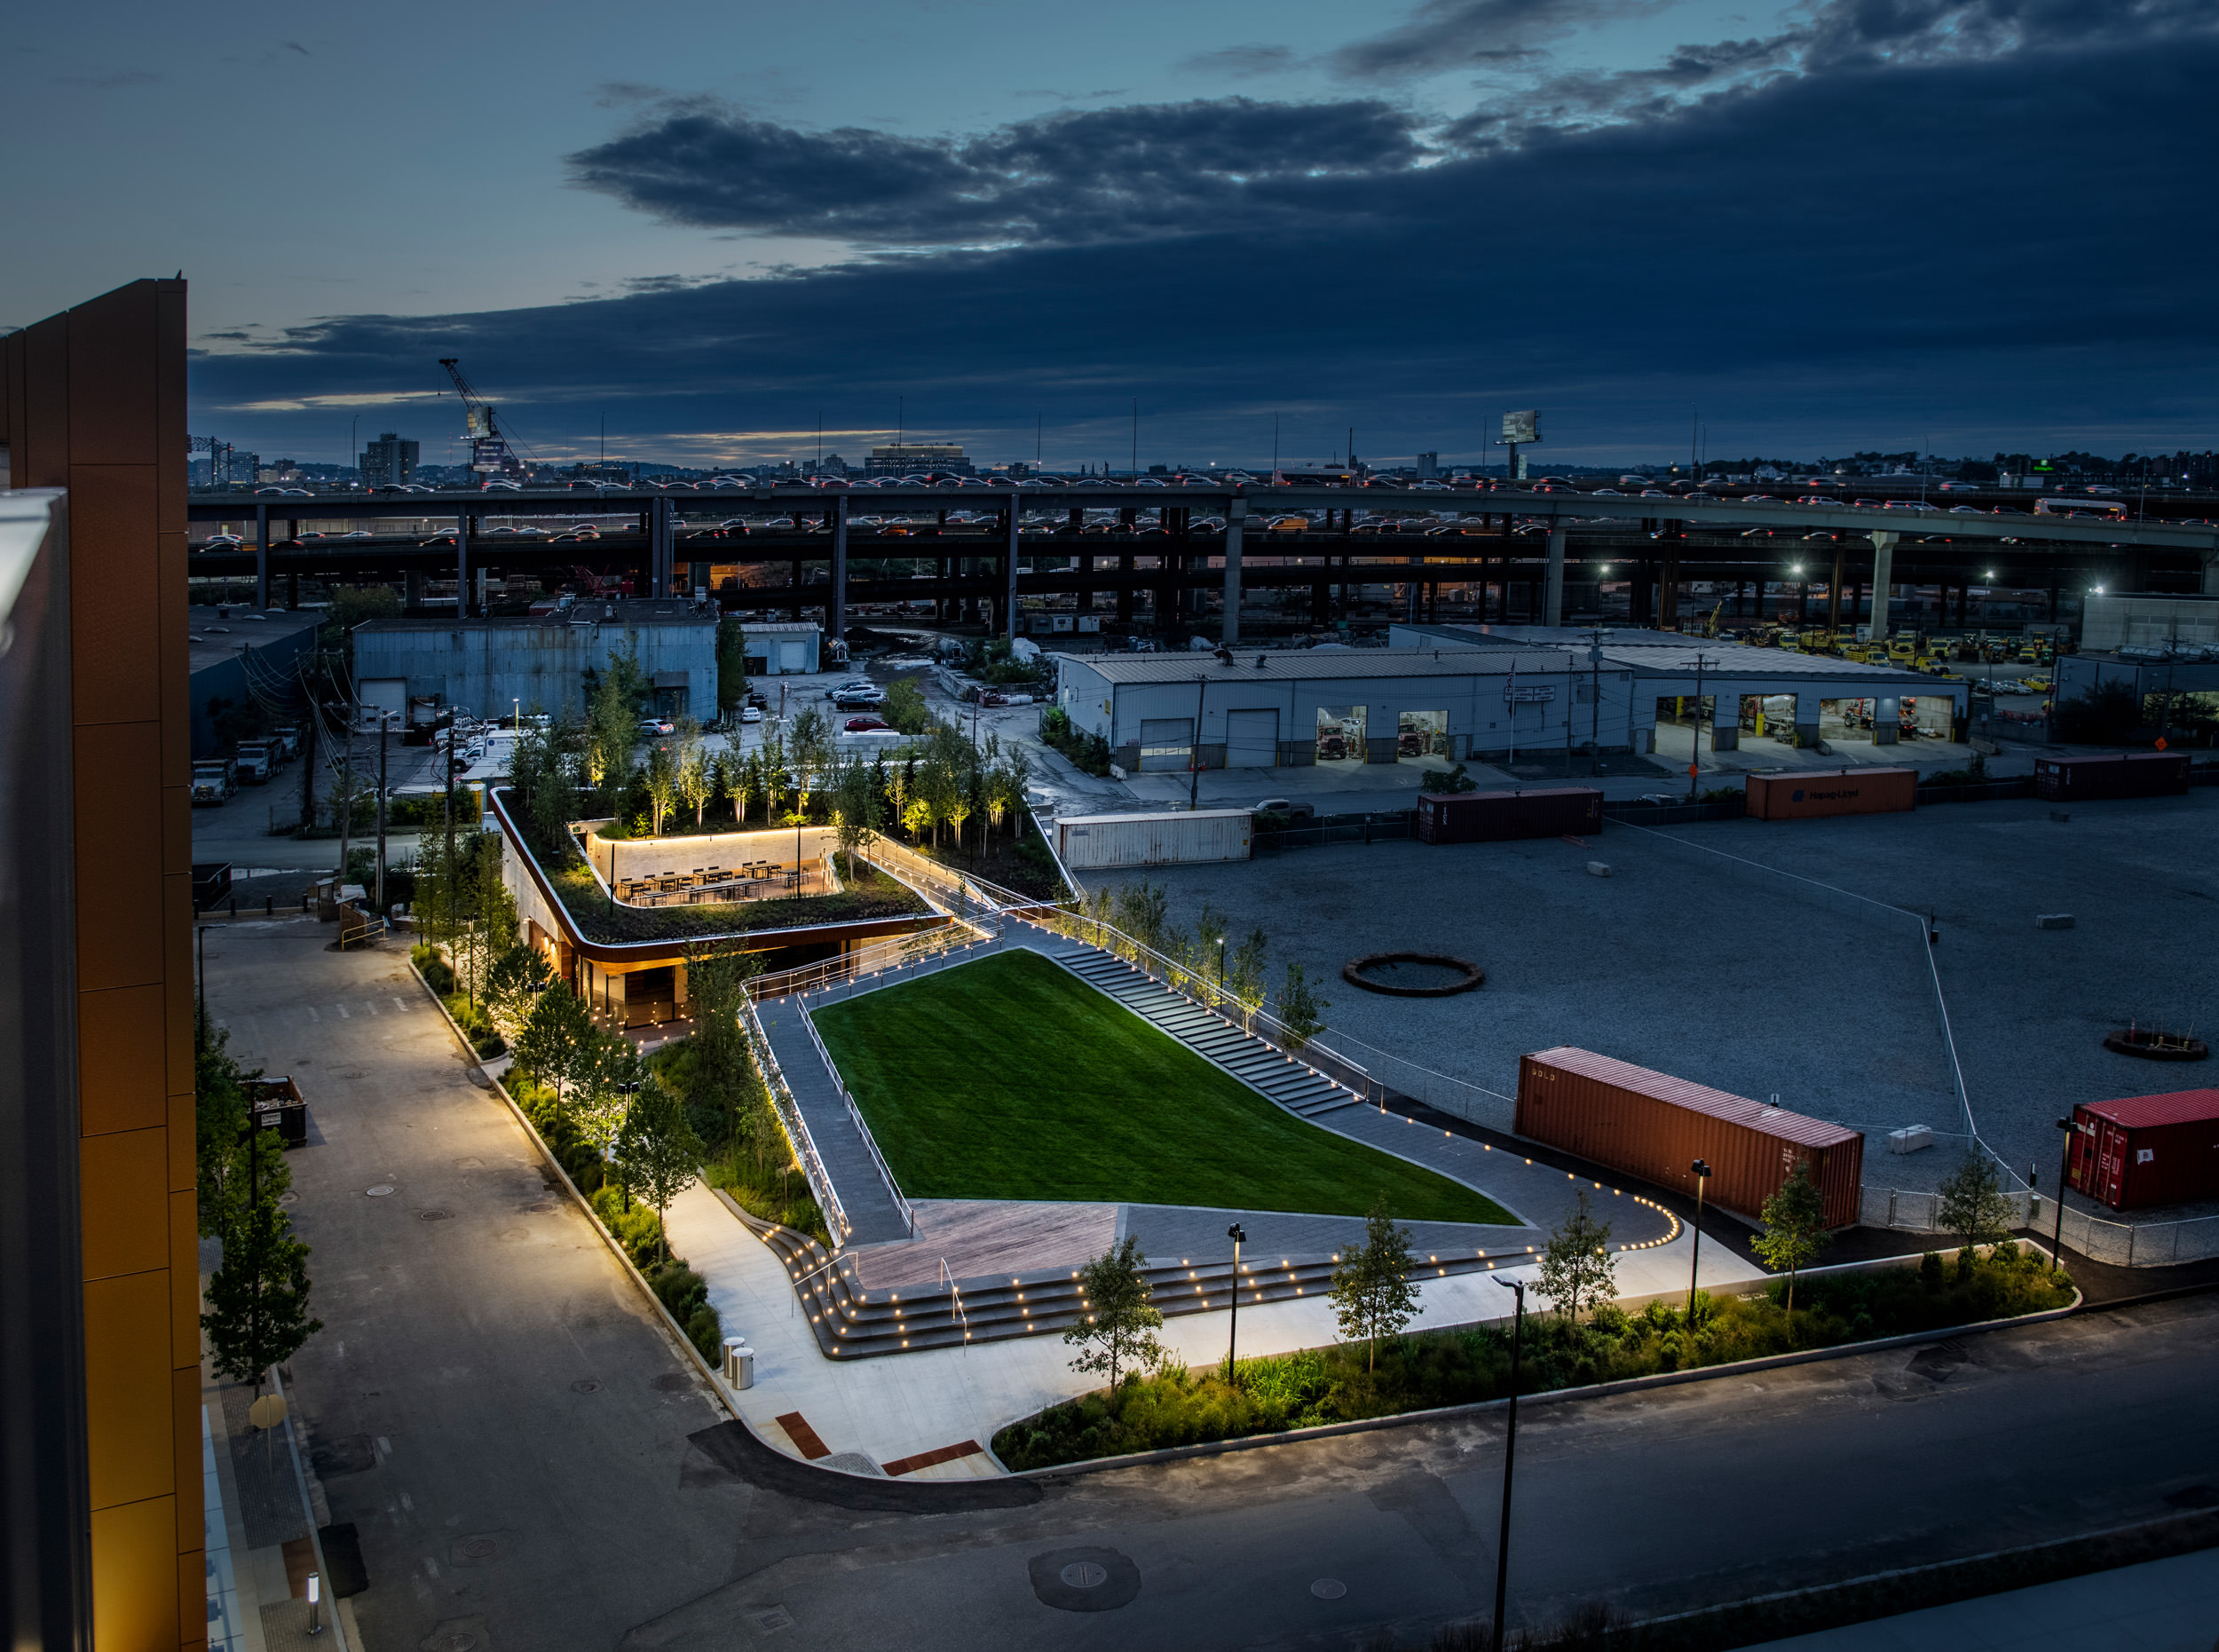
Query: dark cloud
point(1070, 178)
point(1903, 240)
point(110, 82)
point(1240, 62)
point(1451, 33)
point(295, 45)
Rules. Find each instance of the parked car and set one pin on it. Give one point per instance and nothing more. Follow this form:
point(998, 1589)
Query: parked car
point(857, 725)
point(751, 714)
point(657, 725)
point(1285, 806)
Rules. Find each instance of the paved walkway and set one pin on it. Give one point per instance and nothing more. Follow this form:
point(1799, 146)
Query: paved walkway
point(2160, 1606)
point(907, 1404)
point(869, 1207)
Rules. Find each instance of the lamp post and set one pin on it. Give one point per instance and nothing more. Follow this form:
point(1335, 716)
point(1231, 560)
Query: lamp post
point(1509, 1457)
point(1694, 729)
point(385, 725)
point(1232, 1340)
point(1702, 1174)
point(2065, 1170)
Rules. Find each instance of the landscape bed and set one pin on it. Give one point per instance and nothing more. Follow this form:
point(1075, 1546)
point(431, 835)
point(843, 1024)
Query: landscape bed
point(1462, 1366)
point(871, 894)
point(1009, 1078)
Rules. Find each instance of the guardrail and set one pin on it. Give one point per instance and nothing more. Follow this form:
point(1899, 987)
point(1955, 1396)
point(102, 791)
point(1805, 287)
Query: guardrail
point(869, 1142)
point(798, 1140)
point(2100, 1239)
point(883, 959)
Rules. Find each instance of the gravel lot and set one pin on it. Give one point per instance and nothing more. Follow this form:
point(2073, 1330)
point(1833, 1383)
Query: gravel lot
point(1676, 965)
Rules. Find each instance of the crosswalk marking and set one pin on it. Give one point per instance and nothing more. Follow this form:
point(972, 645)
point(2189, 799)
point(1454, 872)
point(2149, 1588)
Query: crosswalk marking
point(400, 1007)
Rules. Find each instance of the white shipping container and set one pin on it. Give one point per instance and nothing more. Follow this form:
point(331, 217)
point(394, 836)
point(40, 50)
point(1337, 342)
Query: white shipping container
point(1102, 842)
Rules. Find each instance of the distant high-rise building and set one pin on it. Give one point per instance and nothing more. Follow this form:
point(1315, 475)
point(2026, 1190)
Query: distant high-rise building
point(389, 460)
point(1428, 466)
point(907, 458)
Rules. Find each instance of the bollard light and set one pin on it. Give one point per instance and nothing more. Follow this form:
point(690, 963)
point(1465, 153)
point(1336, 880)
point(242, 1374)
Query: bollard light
point(315, 1603)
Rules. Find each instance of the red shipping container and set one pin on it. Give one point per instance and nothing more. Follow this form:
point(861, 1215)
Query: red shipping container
point(1652, 1126)
point(1499, 816)
point(2147, 1150)
point(1810, 796)
point(2137, 774)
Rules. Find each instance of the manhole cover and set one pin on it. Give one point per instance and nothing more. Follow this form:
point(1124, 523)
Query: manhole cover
point(381, 1190)
point(1329, 1588)
point(433, 1215)
point(777, 1618)
point(673, 1382)
point(585, 1385)
point(477, 1548)
point(1084, 1580)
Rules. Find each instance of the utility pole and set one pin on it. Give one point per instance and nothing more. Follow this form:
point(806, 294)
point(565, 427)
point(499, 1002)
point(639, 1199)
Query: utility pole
point(1695, 731)
point(346, 803)
point(1595, 738)
point(385, 723)
point(1193, 746)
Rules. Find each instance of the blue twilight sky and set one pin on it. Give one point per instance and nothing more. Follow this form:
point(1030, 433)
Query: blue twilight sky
point(1814, 225)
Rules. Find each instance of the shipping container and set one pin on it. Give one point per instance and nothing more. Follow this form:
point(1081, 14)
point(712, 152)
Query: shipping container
point(1499, 816)
point(2147, 1150)
point(2137, 774)
point(1104, 842)
point(1812, 796)
point(1652, 1126)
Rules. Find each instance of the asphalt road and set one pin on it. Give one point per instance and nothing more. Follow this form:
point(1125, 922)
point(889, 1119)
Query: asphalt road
point(444, 1401)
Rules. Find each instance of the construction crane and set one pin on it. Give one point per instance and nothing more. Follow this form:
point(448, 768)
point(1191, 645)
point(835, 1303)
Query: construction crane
point(218, 458)
point(489, 444)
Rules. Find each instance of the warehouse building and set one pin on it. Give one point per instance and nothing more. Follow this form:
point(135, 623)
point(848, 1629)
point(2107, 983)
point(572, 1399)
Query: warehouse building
point(1324, 705)
point(539, 661)
point(1654, 692)
point(782, 648)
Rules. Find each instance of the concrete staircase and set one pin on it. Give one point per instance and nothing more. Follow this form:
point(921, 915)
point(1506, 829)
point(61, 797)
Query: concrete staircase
point(1301, 1089)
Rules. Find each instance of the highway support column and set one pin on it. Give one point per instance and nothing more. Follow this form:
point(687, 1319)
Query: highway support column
point(1882, 578)
point(1726, 722)
point(1807, 717)
point(1011, 518)
point(1235, 519)
point(461, 564)
point(2211, 575)
point(1553, 612)
point(1886, 716)
point(261, 557)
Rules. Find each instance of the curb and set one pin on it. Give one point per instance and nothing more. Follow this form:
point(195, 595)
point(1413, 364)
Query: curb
point(671, 1327)
point(1590, 1391)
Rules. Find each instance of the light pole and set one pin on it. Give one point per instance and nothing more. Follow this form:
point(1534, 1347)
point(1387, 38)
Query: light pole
point(1702, 1174)
point(1233, 1336)
point(1194, 748)
point(385, 723)
point(2065, 1170)
point(1510, 1457)
point(1694, 728)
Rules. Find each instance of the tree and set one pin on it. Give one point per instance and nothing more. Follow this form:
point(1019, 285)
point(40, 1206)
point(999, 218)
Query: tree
point(514, 983)
point(1373, 1293)
point(1245, 971)
point(731, 667)
point(857, 811)
point(548, 1045)
point(809, 741)
point(1300, 1007)
point(220, 1116)
point(1795, 1222)
point(1120, 1326)
point(904, 706)
point(617, 694)
point(696, 774)
point(1576, 1266)
point(662, 783)
point(657, 1149)
point(607, 1070)
point(723, 1084)
point(1140, 913)
point(1972, 1204)
point(917, 817)
point(258, 1297)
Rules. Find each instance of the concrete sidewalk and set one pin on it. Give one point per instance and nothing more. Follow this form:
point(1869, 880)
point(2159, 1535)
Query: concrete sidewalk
point(906, 1404)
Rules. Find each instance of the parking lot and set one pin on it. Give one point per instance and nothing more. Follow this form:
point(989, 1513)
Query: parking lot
point(1673, 964)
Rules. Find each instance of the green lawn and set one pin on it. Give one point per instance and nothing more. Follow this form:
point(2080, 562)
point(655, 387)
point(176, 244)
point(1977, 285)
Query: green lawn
point(1010, 1079)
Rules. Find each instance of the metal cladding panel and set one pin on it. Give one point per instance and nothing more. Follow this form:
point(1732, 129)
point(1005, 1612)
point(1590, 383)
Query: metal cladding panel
point(2137, 774)
point(1500, 817)
point(1831, 792)
point(1105, 843)
point(1654, 1125)
point(2147, 1151)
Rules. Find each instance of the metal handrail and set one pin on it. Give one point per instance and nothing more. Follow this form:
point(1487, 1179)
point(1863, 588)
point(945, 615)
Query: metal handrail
point(955, 1300)
point(869, 1142)
point(788, 1113)
point(877, 960)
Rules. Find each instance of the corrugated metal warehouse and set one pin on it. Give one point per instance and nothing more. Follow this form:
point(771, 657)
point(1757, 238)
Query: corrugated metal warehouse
point(1654, 1125)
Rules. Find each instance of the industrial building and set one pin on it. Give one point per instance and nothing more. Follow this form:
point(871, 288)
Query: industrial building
point(241, 658)
point(1441, 693)
point(539, 661)
point(782, 648)
point(1650, 682)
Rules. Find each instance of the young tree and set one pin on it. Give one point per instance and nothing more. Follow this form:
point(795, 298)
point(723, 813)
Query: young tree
point(657, 1149)
point(1140, 914)
point(219, 1117)
point(549, 1046)
point(1300, 1008)
point(904, 706)
point(1373, 1293)
point(724, 1082)
point(513, 985)
point(1245, 971)
point(917, 817)
point(1972, 1204)
point(809, 741)
point(1795, 1220)
point(1576, 1265)
point(696, 773)
point(258, 1297)
point(607, 1072)
point(731, 667)
point(1119, 1329)
point(856, 813)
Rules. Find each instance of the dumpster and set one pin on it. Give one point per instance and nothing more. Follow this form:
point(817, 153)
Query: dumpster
point(277, 1105)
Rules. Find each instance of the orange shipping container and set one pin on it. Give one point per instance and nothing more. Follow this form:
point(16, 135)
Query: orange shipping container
point(1654, 1125)
point(1807, 796)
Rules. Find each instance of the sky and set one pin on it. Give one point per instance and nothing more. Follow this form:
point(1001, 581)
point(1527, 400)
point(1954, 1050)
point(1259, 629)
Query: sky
point(1188, 233)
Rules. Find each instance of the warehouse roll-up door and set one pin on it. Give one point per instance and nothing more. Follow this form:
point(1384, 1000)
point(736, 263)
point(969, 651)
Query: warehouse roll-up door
point(792, 656)
point(1166, 743)
point(1251, 740)
point(384, 694)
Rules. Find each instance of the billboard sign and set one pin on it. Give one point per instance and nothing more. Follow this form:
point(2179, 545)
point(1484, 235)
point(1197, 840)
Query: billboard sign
point(1522, 427)
point(478, 423)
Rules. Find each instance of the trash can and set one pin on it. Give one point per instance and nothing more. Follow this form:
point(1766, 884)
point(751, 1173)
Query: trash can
point(277, 1105)
point(740, 1363)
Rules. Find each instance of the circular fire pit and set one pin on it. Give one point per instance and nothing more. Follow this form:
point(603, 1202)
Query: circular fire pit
point(1430, 974)
point(2157, 1045)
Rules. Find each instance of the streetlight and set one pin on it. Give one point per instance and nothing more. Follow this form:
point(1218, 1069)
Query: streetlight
point(1695, 731)
point(1232, 1340)
point(1510, 1454)
point(2065, 1170)
point(1702, 1173)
